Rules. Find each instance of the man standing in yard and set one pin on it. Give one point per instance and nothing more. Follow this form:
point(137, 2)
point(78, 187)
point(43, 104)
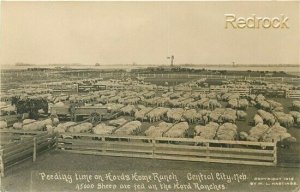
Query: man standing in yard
point(72, 111)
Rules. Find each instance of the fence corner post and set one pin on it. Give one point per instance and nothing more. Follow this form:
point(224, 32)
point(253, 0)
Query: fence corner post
point(34, 149)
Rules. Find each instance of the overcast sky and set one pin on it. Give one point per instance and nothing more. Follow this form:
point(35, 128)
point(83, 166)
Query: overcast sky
point(145, 33)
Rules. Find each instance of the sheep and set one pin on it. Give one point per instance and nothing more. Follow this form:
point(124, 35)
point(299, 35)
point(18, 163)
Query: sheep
point(213, 103)
point(175, 114)
point(206, 132)
point(128, 110)
point(296, 105)
point(117, 122)
point(284, 119)
point(3, 124)
point(276, 133)
point(18, 125)
point(266, 116)
point(241, 115)
point(157, 114)
point(34, 126)
point(59, 104)
point(103, 129)
point(158, 131)
point(129, 128)
point(243, 104)
point(140, 115)
point(81, 128)
point(62, 127)
point(178, 130)
point(258, 119)
point(229, 115)
point(257, 132)
point(233, 103)
point(216, 114)
point(296, 116)
point(190, 115)
point(243, 135)
point(227, 131)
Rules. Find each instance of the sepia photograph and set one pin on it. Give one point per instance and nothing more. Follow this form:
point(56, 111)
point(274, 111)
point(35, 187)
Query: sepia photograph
point(144, 96)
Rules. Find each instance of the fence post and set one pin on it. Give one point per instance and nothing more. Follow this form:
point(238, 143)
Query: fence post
point(153, 148)
point(1, 163)
point(275, 153)
point(34, 149)
point(103, 139)
point(207, 152)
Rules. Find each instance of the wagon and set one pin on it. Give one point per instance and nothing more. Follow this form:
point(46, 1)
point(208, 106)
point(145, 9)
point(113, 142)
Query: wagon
point(90, 111)
point(61, 112)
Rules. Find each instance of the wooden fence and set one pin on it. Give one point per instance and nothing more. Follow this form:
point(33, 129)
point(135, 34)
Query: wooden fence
point(236, 152)
point(293, 94)
point(17, 146)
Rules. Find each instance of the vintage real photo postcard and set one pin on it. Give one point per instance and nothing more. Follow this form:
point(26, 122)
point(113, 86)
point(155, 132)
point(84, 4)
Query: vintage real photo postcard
point(141, 96)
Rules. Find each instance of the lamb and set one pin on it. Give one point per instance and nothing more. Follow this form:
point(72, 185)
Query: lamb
point(103, 129)
point(129, 128)
point(178, 130)
point(227, 131)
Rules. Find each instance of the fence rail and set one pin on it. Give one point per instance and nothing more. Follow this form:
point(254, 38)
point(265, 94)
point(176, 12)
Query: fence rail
point(236, 152)
point(293, 94)
point(17, 146)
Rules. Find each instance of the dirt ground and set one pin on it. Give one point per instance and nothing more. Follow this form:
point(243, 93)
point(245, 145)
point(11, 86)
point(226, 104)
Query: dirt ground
point(22, 177)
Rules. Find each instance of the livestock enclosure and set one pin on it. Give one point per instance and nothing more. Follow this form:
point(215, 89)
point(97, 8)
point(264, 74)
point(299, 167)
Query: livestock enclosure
point(217, 151)
point(293, 94)
point(17, 146)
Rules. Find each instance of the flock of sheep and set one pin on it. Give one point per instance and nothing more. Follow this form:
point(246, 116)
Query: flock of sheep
point(210, 115)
